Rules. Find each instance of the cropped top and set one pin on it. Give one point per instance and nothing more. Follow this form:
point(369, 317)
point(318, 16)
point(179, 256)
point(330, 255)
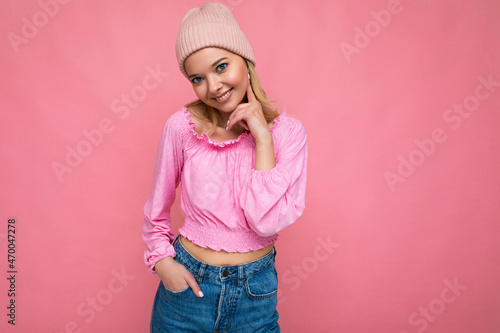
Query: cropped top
point(228, 205)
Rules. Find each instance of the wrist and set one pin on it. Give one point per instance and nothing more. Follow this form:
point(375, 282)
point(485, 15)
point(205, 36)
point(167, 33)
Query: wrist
point(264, 138)
point(167, 261)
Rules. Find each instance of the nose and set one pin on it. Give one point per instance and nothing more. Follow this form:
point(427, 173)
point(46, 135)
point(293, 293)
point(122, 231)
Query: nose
point(214, 85)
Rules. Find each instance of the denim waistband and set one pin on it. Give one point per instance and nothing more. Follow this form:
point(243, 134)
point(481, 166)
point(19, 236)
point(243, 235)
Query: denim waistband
point(201, 269)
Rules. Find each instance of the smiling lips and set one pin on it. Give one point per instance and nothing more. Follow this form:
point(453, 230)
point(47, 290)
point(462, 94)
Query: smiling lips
point(224, 97)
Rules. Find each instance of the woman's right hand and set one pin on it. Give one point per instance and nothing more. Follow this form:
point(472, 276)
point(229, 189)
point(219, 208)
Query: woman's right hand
point(175, 276)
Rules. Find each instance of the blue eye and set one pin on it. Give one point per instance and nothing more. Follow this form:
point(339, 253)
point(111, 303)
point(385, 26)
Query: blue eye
point(220, 67)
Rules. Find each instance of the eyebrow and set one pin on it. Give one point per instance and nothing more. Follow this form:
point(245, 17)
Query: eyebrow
point(215, 63)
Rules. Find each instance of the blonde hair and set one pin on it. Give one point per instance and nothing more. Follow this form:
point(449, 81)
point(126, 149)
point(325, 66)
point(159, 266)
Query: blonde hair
point(213, 116)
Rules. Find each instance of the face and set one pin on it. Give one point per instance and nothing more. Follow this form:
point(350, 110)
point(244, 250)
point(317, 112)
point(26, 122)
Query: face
point(219, 77)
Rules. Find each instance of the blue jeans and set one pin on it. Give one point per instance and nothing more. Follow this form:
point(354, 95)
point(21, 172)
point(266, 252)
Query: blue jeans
point(240, 298)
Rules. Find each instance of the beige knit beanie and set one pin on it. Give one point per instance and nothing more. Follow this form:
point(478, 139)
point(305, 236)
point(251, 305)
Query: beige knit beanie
point(211, 25)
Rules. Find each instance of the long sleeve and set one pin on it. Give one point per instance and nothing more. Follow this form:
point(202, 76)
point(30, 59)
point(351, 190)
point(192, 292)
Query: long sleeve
point(156, 230)
point(274, 199)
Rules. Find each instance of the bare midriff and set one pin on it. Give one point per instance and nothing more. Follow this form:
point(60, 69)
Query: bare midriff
point(223, 258)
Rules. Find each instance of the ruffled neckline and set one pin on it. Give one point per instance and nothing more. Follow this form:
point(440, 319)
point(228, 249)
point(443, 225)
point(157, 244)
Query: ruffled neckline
point(205, 137)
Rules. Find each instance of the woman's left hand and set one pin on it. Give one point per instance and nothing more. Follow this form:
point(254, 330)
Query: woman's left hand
point(250, 116)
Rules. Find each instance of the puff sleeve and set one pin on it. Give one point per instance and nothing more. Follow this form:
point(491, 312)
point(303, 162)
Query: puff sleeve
point(156, 229)
point(274, 199)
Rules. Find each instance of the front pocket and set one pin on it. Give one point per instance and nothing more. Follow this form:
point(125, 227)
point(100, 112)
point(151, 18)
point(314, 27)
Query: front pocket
point(180, 292)
point(174, 292)
point(263, 284)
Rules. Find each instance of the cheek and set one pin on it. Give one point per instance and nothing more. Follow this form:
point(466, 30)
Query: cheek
point(234, 78)
point(199, 91)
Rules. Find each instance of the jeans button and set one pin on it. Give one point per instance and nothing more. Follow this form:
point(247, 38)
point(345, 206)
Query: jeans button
point(225, 273)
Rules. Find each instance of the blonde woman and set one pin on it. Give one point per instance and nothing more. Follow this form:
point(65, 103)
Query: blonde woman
point(243, 168)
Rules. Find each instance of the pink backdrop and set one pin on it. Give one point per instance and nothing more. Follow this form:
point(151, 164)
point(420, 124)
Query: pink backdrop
point(401, 100)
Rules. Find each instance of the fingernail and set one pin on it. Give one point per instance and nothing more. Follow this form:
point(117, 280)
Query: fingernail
point(200, 293)
point(227, 124)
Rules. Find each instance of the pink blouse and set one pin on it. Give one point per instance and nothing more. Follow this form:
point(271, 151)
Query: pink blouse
point(228, 205)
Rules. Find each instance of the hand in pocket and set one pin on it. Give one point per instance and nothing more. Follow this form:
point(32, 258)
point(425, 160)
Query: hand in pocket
point(176, 277)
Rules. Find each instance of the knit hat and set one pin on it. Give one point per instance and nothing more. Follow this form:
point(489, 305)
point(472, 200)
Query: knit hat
point(211, 25)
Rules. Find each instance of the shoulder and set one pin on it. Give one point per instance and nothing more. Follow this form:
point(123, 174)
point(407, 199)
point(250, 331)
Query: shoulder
point(197, 119)
point(177, 123)
point(290, 126)
point(179, 115)
point(180, 118)
point(195, 112)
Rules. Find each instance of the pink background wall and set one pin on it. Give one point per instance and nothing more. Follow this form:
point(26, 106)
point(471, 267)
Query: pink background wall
point(401, 227)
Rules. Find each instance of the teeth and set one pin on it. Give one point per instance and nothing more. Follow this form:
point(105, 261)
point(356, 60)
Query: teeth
point(225, 95)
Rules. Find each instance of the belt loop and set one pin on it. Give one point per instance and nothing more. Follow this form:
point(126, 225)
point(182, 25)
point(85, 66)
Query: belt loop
point(201, 272)
point(176, 239)
point(240, 275)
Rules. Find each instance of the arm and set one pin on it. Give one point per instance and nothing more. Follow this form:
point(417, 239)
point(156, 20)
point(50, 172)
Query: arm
point(264, 153)
point(274, 197)
point(156, 232)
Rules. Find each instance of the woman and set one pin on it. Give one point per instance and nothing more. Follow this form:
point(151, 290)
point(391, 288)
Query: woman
point(243, 169)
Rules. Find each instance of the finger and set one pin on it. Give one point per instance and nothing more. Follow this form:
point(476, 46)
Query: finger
point(194, 285)
point(174, 287)
point(242, 123)
point(250, 94)
point(231, 121)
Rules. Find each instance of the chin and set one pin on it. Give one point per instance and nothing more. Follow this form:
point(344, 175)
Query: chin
point(227, 107)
